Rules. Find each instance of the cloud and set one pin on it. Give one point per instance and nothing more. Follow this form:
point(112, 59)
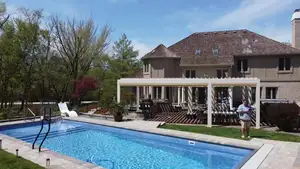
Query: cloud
point(141, 47)
point(250, 11)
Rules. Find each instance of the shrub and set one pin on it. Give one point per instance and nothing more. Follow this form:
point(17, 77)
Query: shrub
point(283, 115)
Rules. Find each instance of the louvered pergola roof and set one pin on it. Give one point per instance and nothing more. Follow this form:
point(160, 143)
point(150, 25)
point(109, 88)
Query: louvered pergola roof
point(188, 81)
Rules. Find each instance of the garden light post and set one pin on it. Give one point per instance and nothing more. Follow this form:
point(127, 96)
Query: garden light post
point(48, 162)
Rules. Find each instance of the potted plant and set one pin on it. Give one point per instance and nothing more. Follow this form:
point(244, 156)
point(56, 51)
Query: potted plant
point(118, 110)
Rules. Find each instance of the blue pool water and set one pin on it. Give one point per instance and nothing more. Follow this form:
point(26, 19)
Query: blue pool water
point(115, 148)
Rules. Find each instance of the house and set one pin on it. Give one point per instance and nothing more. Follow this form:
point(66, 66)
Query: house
point(233, 53)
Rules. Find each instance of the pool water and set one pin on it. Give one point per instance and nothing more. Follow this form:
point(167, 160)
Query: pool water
point(115, 148)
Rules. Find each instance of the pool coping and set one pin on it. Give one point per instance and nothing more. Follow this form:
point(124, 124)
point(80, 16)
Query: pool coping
point(57, 160)
point(254, 160)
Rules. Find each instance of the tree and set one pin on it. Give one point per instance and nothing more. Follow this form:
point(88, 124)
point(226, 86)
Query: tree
point(3, 16)
point(83, 86)
point(124, 63)
point(78, 45)
point(28, 37)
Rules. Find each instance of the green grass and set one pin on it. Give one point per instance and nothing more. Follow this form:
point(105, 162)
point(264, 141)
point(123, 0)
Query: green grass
point(10, 161)
point(233, 132)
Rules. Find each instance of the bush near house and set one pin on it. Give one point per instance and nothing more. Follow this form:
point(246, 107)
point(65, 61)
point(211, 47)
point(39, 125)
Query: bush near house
point(283, 115)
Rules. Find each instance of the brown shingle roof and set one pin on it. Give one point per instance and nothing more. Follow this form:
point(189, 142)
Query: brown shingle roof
point(235, 42)
point(160, 52)
point(204, 60)
point(229, 43)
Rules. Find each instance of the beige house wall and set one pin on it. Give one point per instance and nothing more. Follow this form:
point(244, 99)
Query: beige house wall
point(262, 67)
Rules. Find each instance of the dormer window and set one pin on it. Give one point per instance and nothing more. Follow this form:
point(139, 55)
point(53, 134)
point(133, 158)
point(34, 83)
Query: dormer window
point(198, 52)
point(215, 52)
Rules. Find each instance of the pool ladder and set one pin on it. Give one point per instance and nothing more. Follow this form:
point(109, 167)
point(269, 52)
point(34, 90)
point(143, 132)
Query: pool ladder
point(44, 118)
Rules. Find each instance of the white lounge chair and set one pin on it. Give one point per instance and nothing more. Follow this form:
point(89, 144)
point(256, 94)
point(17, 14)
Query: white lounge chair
point(63, 108)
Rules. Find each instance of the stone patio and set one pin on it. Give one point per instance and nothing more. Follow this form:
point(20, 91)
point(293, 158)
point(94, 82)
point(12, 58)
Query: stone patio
point(270, 154)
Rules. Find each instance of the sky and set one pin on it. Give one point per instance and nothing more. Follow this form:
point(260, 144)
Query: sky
point(148, 23)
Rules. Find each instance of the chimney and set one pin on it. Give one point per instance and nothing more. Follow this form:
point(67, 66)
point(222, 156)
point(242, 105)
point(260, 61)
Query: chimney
point(296, 29)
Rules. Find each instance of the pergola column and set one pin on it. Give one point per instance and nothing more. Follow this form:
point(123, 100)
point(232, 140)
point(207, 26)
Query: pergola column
point(249, 95)
point(196, 94)
point(163, 92)
point(178, 96)
point(257, 105)
point(144, 92)
point(190, 100)
point(209, 104)
point(243, 93)
point(118, 92)
point(137, 98)
point(230, 95)
point(150, 92)
point(182, 94)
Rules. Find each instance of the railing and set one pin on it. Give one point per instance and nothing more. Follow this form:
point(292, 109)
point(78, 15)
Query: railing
point(47, 118)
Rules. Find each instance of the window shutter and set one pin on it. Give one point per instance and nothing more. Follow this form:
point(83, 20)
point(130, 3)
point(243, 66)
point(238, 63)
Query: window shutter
point(245, 65)
point(239, 63)
point(193, 73)
point(287, 63)
point(281, 64)
point(219, 73)
point(187, 73)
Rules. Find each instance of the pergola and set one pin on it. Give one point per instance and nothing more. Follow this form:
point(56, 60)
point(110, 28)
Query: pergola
point(210, 83)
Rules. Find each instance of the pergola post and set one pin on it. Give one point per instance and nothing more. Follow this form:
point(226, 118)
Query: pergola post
point(137, 98)
point(230, 95)
point(182, 95)
point(190, 100)
point(243, 93)
point(257, 105)
point(250, 95)
point(209, 105)
point(118, 92)
point(163, 92)
point(178, 96)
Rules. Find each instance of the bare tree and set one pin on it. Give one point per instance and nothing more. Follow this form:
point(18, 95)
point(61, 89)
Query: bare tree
point(78, 44)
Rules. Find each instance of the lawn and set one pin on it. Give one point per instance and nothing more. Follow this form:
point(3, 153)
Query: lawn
point(10, 161)
point(233, 132)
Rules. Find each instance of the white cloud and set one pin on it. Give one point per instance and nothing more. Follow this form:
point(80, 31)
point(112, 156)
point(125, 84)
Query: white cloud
point(250, 11)
point(141, 47)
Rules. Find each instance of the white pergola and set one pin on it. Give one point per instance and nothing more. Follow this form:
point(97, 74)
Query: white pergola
point(210, 83)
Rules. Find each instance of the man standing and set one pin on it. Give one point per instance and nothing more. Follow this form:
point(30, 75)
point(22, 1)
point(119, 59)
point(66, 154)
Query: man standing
point(244, 111)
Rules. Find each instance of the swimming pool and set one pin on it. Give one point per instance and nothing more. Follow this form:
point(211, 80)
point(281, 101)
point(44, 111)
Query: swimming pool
point(116, 148)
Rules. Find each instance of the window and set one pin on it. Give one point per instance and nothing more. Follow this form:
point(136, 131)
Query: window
point(222, 73)
point(198, 52)
point(146, 67)
point(242, 65)
point(271, 92)
point(215, 52)
point(190, 73)
point(284, 64)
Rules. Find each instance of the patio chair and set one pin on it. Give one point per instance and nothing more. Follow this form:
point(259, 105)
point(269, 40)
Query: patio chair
point(63, 108)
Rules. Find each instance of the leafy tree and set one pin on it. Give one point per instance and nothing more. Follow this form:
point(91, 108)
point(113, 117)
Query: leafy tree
point(124, 63)
point(78, 45)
